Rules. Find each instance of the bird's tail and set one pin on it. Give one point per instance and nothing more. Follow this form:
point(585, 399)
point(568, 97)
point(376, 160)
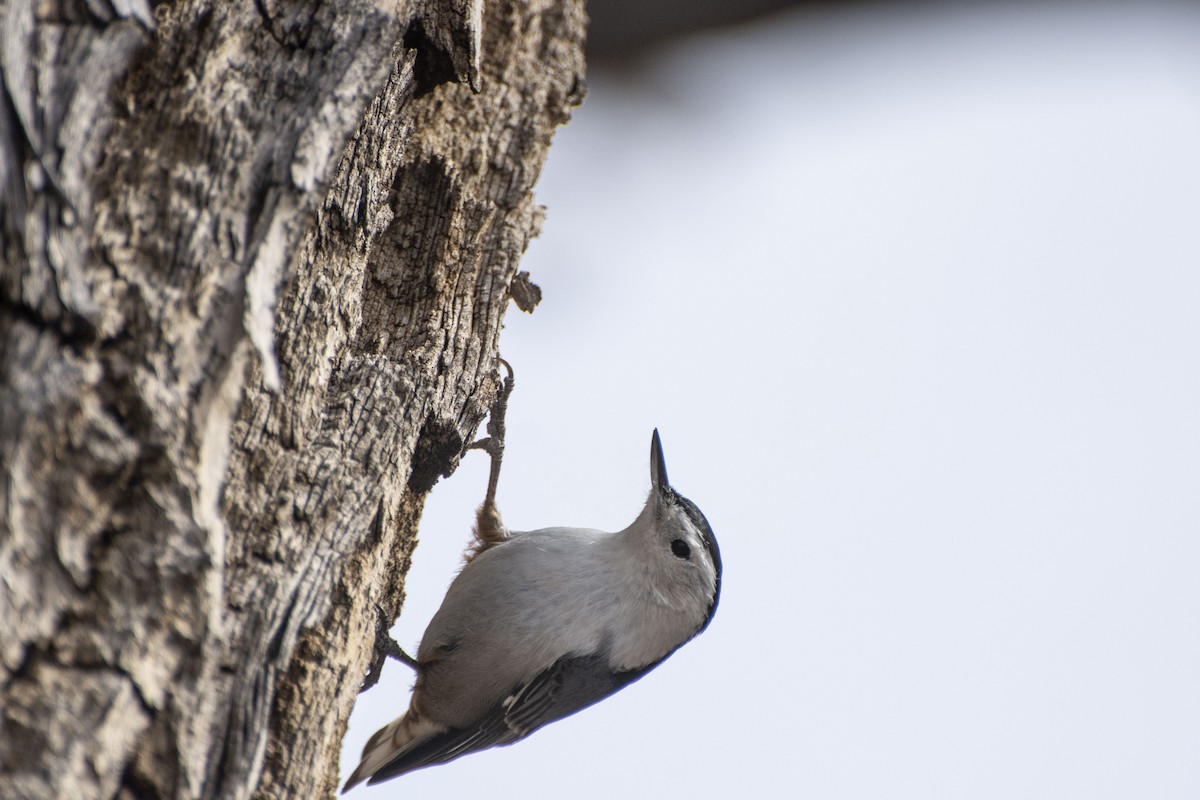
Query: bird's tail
point(389, 742)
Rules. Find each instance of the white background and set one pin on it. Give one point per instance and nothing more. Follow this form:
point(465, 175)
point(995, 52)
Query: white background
point(914, 298)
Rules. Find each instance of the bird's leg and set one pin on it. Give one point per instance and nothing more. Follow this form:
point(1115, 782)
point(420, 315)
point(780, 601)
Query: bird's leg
point(385, 646)
point(489, 527)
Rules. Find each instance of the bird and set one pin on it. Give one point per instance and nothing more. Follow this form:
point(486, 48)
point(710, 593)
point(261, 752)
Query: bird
point(541, 624)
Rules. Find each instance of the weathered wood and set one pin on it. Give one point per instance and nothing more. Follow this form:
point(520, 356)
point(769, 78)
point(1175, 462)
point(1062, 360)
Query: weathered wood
point(254, 258)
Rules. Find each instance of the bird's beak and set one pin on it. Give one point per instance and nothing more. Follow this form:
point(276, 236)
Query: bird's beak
point(658, 465)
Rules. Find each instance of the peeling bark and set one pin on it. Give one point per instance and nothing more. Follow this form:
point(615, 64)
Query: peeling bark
point(253, 264)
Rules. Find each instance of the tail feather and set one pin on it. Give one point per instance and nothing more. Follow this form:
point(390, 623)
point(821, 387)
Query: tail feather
point(390, 741)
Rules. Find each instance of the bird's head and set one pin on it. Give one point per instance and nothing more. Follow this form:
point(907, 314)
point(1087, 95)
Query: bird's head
point(681, 553)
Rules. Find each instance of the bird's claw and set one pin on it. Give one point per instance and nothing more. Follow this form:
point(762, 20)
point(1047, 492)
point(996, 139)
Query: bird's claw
point(385, 647)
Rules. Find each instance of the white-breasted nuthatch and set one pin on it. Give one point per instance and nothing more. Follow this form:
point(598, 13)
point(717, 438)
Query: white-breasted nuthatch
point(541, 624)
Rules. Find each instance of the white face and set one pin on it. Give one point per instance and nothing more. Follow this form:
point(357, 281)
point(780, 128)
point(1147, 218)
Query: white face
point(687, 563)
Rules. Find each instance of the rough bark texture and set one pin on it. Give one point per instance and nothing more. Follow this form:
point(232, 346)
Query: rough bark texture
point(254, 259)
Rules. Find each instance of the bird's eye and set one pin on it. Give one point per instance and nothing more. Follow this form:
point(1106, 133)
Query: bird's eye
point(680, 548)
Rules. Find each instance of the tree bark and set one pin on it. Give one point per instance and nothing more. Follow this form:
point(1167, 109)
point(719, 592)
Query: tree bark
point(255, 258)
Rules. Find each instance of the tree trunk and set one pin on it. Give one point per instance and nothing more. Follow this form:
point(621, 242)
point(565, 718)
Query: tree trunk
point(255, 258)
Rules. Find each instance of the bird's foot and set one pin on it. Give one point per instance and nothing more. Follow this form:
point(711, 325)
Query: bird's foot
point(385, 647)
point(489, 527)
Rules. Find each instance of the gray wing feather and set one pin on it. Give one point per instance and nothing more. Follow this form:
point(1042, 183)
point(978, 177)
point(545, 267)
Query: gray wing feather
point(568, 685)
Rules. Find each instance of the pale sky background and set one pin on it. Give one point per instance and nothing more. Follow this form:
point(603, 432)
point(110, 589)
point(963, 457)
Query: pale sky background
point(914, 298)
